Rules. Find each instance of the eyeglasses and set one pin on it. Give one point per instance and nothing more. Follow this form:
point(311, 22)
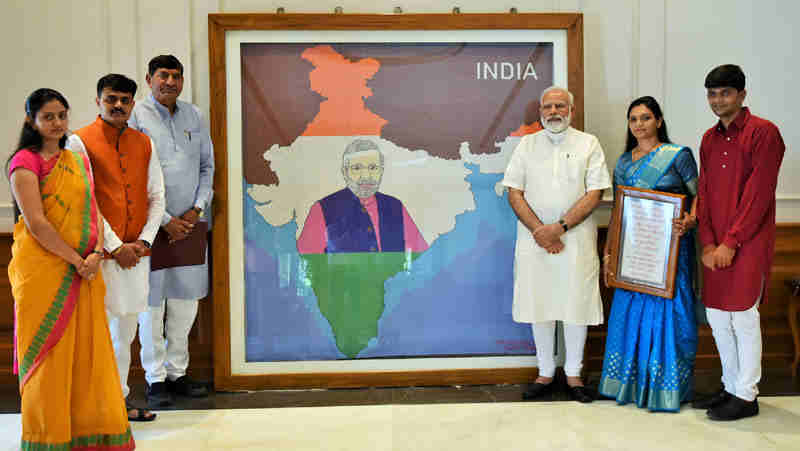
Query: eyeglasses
point(358, 167)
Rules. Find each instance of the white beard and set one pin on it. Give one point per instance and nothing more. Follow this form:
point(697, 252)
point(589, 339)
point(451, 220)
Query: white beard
point(363, 193)
point(560, 126)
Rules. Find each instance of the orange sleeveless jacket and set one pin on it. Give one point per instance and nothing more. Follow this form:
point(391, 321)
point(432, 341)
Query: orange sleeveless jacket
point(120, 161)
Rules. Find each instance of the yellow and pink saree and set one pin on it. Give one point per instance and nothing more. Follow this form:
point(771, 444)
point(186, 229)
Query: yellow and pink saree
point(71, 395)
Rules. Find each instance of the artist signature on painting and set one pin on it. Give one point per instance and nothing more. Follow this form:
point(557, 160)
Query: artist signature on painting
point(516, 345)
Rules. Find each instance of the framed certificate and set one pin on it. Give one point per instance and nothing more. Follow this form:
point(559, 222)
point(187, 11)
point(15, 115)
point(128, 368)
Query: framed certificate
point(644, 252)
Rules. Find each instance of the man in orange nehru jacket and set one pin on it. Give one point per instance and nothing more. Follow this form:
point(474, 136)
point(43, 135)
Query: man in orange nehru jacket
point(130, 195)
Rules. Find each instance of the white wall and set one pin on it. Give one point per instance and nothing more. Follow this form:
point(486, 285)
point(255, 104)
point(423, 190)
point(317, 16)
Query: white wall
point(662, 48)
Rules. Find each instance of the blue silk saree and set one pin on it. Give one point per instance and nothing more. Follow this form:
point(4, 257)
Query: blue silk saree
point(652, 341)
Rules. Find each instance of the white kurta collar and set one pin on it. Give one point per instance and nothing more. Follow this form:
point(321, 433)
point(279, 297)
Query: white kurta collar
point(162, 110)
point(556, 138)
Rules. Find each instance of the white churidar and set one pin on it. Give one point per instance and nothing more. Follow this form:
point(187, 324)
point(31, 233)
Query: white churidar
point(738, 339)
point(122, 330)
point(166, 358)
point(574, 342)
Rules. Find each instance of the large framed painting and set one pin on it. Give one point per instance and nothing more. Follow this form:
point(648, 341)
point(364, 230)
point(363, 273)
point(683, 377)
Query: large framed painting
point(362, 235)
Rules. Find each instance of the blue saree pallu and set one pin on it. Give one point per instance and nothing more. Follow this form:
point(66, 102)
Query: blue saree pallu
point(652, 341)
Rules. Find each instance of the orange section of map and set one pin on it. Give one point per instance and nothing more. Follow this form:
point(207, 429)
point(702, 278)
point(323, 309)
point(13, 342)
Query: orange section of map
point(344, 84)
point(525, 129)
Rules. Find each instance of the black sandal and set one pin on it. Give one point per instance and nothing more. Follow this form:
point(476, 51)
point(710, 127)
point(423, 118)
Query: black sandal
point(141, 414)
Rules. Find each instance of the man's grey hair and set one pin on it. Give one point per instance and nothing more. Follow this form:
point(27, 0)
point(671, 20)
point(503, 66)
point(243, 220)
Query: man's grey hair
point(359, 145)
point(557, 88)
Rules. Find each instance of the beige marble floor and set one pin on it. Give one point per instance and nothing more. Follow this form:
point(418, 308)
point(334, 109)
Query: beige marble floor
point(462, 427)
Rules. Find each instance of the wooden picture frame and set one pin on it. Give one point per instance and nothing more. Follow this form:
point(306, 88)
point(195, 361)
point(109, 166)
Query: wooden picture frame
point(637, 262)
point(221, 124)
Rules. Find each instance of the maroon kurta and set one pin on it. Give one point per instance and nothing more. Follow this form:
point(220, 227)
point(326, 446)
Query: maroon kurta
point(736, 206)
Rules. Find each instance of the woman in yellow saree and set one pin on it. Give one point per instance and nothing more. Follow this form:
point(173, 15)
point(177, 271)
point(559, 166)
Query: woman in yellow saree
point(71, 396)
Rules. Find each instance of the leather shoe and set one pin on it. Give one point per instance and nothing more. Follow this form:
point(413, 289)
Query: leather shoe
point(158, 396)
point(735, 409)
point(718, 398)
point(184, 386)
point(537, 390)
point(580, 393)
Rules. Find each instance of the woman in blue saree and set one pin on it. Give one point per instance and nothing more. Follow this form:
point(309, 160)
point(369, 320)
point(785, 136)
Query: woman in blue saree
point(652, 341)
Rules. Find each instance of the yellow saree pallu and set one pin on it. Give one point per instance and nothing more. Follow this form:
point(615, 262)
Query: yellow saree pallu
point(71, 395)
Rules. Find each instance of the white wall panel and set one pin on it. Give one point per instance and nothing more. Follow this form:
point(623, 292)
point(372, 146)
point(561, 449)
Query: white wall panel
point(609, 84)
point(123, 42)
point(48, 44)
point(759, 36)
point(51, 44)
point(650, 47)
point(198, 69)
point(164, 28)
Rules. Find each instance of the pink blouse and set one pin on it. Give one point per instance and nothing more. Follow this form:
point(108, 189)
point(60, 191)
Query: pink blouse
point(32, 161)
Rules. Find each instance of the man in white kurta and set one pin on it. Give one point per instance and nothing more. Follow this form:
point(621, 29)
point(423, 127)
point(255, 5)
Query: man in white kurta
point(130, 196)
point(187, 156)
point(556, 178)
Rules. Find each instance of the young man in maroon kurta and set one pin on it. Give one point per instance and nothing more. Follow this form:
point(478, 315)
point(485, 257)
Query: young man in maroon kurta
point(739, 161)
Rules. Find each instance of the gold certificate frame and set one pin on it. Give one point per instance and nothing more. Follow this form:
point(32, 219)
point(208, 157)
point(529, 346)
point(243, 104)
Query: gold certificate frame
point(644, 251)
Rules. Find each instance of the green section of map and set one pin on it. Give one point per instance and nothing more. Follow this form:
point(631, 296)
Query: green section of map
point(350, 292)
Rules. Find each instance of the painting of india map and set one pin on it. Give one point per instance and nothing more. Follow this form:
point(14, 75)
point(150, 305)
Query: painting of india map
point(375, 222)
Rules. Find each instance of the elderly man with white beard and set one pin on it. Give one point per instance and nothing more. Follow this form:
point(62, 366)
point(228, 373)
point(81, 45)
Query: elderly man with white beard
point(555, 180)
point(358, 218)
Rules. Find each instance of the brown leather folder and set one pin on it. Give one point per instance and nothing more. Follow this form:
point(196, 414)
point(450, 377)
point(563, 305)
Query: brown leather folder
point(189, 251)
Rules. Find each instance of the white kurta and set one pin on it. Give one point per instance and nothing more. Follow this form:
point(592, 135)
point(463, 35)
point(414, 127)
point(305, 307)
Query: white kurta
point(127, 289)
point(564, 286)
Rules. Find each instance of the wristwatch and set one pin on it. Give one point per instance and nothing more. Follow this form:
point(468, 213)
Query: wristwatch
point(198, 210)
point(563, 224)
